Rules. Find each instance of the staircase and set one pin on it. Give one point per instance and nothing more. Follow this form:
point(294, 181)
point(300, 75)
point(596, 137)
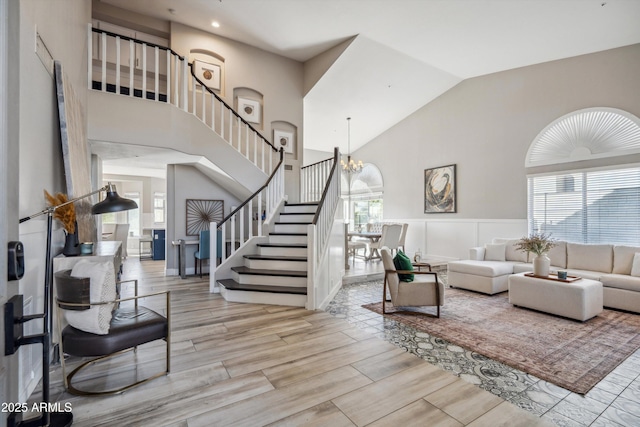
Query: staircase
point(277, 273)
point(275, 268)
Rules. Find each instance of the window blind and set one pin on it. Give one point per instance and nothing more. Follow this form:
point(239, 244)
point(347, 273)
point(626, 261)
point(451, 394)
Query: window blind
point(600, 206)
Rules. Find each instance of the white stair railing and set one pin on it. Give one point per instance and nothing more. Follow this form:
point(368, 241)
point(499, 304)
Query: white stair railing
point(319, 231)
point(127, 66)
point(313, 179)
point(238, 227)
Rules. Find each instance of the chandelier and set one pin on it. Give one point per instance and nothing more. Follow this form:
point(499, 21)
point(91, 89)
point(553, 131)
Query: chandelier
point(350, 166)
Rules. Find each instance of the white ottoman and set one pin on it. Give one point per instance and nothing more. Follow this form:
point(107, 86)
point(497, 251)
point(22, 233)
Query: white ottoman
point(580, 300)
point(489, 277)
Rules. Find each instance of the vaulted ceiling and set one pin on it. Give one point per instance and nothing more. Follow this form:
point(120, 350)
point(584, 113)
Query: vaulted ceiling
point(405, 52)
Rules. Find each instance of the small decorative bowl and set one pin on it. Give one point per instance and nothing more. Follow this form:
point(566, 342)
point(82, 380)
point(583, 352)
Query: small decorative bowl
point(86, 248)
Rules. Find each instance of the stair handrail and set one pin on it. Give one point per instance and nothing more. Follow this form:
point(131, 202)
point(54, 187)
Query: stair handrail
point(313, 178)
point(271, 177)
point(109, 33)
point(230, 108)
point(273, 190)
point(325, 192)
point(226, 123)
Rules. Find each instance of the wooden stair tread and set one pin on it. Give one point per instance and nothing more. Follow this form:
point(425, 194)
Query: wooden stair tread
point(231, 284)
point(282, 245)
point(297, 213)
point(292, 223)
point(302, 204)
point(264, 272)
point(276, 257)
point(284, 233)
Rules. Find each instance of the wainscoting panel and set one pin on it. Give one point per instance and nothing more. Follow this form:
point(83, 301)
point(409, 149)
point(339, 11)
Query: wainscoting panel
point(487, 230)
point(452, 238)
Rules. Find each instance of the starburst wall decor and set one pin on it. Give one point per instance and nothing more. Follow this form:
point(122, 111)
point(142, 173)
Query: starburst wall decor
point(201, 212)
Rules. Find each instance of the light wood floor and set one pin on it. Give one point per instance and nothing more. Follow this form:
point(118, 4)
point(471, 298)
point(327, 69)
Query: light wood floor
point(252, 365)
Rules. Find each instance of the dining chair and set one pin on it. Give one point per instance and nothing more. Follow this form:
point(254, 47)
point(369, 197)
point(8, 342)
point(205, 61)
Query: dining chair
point(203, 251)
point(403, 237)
point(390, 238)
point(120, 233)
point(353, 246)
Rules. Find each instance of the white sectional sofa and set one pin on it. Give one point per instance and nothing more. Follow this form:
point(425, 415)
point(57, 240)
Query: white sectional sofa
point(489, 268)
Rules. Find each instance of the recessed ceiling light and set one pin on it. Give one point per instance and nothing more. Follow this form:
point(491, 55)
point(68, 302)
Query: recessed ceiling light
point(215, 24)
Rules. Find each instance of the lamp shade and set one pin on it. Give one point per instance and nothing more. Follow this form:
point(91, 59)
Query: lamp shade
point(113, 203)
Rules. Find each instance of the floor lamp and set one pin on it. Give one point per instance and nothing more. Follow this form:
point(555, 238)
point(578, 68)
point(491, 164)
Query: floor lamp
point(14, 318)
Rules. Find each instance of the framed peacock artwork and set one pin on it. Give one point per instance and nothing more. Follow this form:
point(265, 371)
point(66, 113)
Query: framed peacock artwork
point(440, 189)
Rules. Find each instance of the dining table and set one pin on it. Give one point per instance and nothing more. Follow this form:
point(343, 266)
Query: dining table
point(372, 236)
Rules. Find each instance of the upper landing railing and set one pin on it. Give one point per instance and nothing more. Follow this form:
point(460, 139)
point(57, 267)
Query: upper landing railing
point(126, 66)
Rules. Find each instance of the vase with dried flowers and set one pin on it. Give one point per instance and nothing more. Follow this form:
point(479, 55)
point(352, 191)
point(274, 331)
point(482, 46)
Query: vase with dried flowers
point(67, 216)
point(539, 244)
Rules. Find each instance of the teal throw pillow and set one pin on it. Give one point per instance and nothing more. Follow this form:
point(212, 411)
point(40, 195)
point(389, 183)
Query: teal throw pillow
point(402, 262)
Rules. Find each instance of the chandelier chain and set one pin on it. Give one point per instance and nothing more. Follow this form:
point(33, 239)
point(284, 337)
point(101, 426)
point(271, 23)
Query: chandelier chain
point(350, 166)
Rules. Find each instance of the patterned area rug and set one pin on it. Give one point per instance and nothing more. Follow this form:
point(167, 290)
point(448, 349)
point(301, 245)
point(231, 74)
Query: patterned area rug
point(571, 354)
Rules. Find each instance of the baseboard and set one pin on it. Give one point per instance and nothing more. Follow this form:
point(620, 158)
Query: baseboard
point(334, 290)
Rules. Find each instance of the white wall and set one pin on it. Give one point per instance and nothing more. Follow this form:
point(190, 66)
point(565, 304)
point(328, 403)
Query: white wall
point(186, 182)
point(278, 79)
point(9, 155)
point(315, 156)
point(62, 25)
point(331, 268)
point(485, 125)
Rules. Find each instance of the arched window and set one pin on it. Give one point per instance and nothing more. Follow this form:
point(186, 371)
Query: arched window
point(362, 192)
point(587, 205)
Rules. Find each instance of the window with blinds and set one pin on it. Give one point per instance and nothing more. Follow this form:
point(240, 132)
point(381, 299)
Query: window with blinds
point(600, 206)
point(158, 207)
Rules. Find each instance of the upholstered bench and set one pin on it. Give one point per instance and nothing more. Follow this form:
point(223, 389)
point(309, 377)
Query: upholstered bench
point(579, 300)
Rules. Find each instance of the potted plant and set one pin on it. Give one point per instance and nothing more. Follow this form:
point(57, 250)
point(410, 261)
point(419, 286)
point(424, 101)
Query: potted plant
point(539, 244)
point(67, 216)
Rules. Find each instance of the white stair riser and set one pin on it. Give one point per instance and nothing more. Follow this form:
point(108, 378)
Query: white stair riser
point(284, 239)
point(296, 218)
point(304, 208)
point(263, 297)
point(269, 250)
point(256, 279)
point(291, 228)
point(263, 264)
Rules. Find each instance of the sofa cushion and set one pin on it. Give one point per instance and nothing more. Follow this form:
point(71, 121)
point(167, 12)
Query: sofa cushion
point(621, 281)
point(512, 253)
point(585, 274)
point(635, 266)
point(523, 267)
point(590, 257)
point(495, 252)
point(557, 255)
point(482, 268)
point(623, 258)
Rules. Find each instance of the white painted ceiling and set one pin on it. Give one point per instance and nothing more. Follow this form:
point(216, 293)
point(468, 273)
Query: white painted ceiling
point(408, 52)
